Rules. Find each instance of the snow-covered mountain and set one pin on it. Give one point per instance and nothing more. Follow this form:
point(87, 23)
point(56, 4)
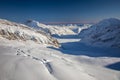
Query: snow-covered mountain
point(22, 58)
point(105, 33)
point(50, 29)
point(77, 28)
point(15, 31)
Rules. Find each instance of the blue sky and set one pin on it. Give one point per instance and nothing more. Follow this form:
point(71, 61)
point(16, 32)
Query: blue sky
point(59, 11)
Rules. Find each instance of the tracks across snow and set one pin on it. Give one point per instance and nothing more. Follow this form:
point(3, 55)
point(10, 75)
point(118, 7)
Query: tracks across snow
point(48, 64)
point(45, 62)
point(51, 67)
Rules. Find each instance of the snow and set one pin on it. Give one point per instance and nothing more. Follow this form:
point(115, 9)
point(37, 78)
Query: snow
point(105, 33)
point(78, 28)
point(36, 62)
point(50, 29)
point(28, 60)
point(22, 32)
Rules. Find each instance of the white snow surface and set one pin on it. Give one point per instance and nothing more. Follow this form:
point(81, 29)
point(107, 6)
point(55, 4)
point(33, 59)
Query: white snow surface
point(50, 29)
point(28, 60)
point(32, 61)
point(105, 33)
point(15, 31)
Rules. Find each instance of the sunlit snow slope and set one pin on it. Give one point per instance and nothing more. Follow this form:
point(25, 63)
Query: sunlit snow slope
point(50, 29)
point(14, 31)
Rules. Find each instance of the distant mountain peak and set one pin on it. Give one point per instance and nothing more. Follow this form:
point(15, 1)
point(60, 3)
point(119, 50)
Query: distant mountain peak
point(49, 29)
point(106, 32)
point(108, 22)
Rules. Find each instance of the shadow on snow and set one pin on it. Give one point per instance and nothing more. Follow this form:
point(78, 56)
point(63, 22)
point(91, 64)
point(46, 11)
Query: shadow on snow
point(66, 36)
point(114, 66)
point(77, 48)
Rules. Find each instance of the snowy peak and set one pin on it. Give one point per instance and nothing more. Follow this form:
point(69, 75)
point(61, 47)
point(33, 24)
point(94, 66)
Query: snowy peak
point(49, 29)
point(34, 24)
point(38, 26)
point(15, 31)
point(109, 22)
point(104, 33)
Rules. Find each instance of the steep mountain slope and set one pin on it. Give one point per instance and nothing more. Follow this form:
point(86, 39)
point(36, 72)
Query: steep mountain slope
point(52, 30)
point(15, 31)
point(105, 33)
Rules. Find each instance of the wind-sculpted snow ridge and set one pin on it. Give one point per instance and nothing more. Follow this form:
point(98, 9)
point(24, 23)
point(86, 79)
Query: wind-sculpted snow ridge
point(15, 31)
point(105, 33)
point(50, 29)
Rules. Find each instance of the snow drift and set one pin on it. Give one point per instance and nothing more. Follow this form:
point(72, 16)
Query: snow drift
point(15, 31)
point(105, 33)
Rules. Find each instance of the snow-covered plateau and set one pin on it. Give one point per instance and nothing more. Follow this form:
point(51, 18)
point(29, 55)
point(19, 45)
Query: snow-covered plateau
point(32, 52)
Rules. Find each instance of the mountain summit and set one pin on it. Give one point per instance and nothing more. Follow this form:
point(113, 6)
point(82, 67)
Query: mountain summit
point(49, 29)
point(104, 33)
